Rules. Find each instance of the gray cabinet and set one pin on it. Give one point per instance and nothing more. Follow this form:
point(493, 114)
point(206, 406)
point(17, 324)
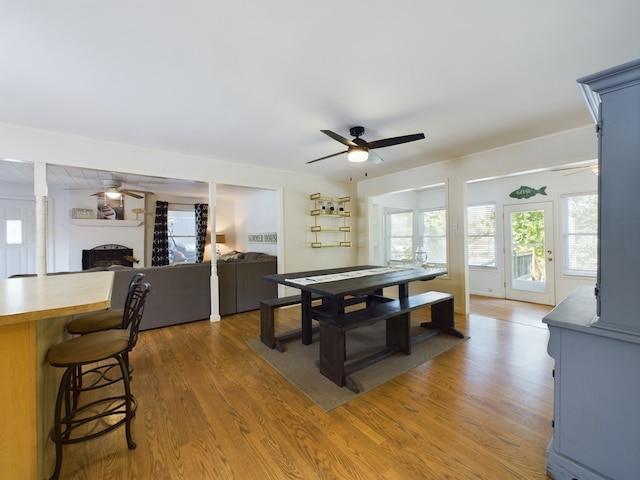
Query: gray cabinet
point(619, 168)
point(595, 339)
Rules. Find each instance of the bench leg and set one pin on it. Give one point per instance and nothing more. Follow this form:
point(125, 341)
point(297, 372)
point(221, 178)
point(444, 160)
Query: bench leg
point(267, 326)
point(443, 318)
point(332, 354)
point(399, 333)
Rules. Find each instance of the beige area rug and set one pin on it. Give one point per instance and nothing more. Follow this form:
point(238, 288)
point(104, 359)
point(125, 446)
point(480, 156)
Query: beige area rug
point(298, 363)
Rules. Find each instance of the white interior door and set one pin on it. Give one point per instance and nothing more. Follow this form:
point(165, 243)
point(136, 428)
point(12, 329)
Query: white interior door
point(17, 237)
point(529, 255)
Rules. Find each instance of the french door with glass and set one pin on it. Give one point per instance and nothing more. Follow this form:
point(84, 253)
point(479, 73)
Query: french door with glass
point(529, 272)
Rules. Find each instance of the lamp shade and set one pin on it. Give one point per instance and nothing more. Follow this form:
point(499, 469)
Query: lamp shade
point(221, 238)
point(358, 154)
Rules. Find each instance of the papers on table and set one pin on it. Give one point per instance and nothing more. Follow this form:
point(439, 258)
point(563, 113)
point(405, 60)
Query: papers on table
point(333, 277)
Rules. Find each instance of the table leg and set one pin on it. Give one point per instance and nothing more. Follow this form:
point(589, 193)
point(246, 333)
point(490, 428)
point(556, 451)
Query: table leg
point(443, 318)
point(332, 353)
point(399, 333)
point(307, 329)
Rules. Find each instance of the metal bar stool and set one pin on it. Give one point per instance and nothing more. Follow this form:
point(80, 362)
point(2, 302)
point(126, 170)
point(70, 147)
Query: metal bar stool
point(105, 319)
point(99, 322)
point(72, 423)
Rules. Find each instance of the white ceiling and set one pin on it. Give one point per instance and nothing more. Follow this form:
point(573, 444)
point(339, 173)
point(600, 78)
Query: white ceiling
point(254, 82)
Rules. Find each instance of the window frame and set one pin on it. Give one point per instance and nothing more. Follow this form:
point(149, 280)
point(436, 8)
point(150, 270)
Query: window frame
point(421, 235)
point(566, 235)
point(494, 236)
point(173, 239)
point(388, 237)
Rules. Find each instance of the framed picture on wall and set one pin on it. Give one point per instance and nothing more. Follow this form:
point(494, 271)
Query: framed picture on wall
point(110, 208)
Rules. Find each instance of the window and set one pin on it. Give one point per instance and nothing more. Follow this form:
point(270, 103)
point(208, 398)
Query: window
point(481, 235)
point(14, 232)
point(580, 234)
point(182, 235)
point(405, 235)
point(400, 236)
point(434, 235)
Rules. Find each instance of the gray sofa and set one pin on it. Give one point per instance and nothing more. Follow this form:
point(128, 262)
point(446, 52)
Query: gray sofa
point(240, 281)
point(181, 293)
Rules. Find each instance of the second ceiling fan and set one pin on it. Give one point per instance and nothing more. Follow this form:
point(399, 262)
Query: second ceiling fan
point(358, 148)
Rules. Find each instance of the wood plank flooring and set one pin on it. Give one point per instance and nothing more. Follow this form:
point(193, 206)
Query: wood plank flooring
point(210, 408)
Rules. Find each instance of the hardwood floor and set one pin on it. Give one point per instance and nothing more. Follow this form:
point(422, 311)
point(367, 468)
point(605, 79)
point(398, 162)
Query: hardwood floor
point(210, 408)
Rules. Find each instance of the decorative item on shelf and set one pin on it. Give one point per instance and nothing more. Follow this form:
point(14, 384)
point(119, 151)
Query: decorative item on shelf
point(137, 211)
point(82, 213)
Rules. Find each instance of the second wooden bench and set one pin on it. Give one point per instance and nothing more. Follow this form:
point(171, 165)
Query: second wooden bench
point(396, 312)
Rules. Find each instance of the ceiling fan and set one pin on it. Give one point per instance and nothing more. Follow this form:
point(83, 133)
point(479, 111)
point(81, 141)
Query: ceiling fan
point(593, 167)
point(359, 149)
point(114, 189)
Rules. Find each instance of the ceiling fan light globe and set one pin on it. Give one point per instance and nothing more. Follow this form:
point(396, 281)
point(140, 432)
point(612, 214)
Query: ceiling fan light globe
point(358, 154)
point(113, 195)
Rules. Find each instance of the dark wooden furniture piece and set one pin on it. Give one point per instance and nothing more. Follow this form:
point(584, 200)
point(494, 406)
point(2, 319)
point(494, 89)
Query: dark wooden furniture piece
point(335, 321)
point(267, 321)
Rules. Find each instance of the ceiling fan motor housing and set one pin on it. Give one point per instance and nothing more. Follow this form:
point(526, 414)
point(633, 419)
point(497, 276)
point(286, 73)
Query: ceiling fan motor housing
point(356, 131)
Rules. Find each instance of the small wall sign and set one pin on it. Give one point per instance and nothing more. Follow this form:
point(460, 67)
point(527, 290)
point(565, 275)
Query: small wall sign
point(82, 213)
point(527, 192)
point(269, 237)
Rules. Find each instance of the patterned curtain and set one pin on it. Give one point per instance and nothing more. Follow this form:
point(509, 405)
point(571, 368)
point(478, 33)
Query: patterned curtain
point(160, 251)
point(202, 211)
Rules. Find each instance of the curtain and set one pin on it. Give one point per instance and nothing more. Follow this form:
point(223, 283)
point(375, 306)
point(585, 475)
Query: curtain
point(202, 211)
point(160, 251)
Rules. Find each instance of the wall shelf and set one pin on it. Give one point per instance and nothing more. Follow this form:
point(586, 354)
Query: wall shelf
point(330, 217)
point(105, 223)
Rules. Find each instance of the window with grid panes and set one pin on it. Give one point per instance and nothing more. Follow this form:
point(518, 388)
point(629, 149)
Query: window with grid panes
point(399, 236)
point(481, 235)
point(434, 235)
point(580, 234)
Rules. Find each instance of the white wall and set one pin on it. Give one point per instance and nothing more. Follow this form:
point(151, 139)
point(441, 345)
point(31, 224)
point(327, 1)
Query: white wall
point(83, 235)
point(255, 214)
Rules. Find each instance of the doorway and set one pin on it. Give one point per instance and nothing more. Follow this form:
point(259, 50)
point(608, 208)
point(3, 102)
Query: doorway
point(17, 237)
point(529, 255)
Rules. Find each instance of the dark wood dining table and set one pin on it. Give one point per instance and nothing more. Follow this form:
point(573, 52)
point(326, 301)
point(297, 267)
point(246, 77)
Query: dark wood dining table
point(334, 291)
point(340, 287)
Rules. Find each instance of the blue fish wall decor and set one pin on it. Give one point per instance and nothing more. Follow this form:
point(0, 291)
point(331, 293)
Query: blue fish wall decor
point(527, 192)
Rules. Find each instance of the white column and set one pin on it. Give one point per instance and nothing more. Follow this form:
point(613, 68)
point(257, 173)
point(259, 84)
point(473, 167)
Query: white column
point(215, 304)
point(41, 193)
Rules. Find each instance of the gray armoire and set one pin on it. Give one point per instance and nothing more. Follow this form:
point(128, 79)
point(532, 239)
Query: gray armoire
point(595, 333)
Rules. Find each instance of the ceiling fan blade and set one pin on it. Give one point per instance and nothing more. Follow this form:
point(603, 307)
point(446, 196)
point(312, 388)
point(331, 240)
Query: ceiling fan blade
point(375, 158)
point(387, 142)
point(339, 138)
point(571, 168)
point(328, 156)
point(131, 194)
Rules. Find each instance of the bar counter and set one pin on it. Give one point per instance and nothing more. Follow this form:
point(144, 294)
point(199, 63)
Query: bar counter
point(33, 315)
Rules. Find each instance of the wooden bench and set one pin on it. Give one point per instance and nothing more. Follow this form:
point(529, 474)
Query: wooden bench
point(267, 321)
point(396, 313)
